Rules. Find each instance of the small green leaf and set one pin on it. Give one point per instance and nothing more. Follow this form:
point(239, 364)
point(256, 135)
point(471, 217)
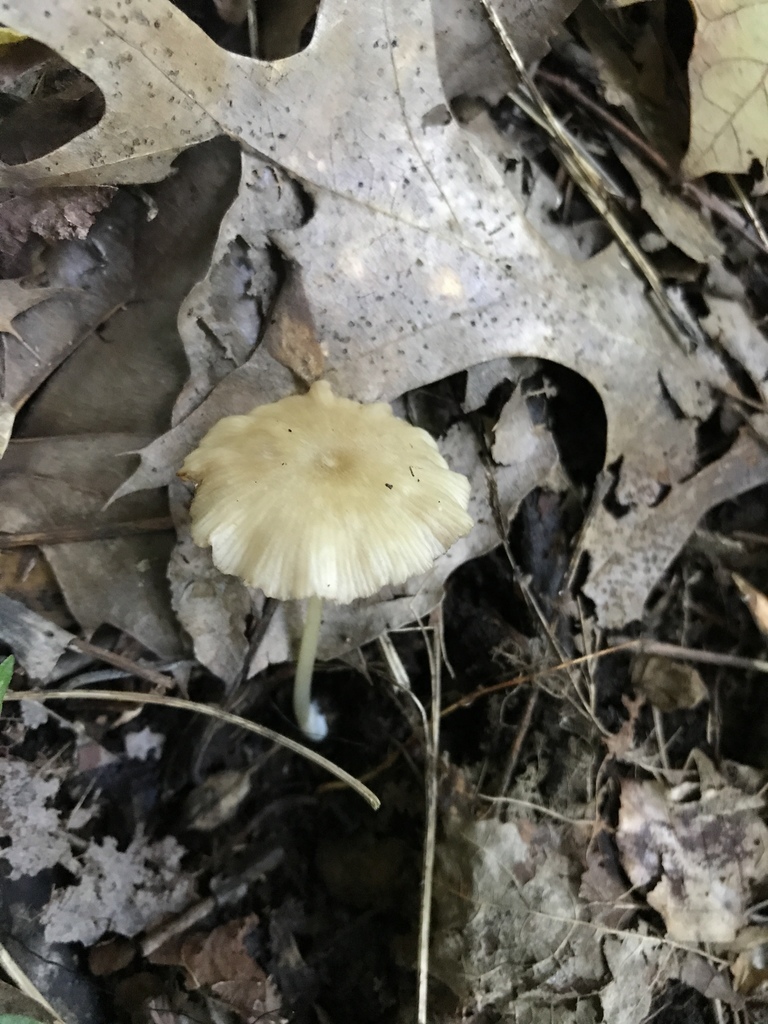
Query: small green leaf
point(6, 674)
point(14, 1018)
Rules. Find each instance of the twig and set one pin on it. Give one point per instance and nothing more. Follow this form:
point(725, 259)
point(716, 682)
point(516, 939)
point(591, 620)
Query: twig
point(664, 650)
point(522, 732)
point(537, 807)
point(673, 651)
point(25, 984)
point(432, 739)
point(705, 199)
point(161, 934)
point(157, 679)
point(750, 210)
point(83, 532)
point(203, 709)
point(589, 181)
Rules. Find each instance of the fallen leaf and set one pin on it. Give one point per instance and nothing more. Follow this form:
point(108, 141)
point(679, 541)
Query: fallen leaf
point(87, 279)
point(431, 253)
point(630, 554)
point(219, 961)
point(668, 685)
point(38, 839)
point(18, 1008)
point(7, 420)
point(37, 643)
point(749, 968)
point(731, 326)
point(26, 577)
point(50, 214)
point(59, 481)
point(415, 260)
point(702, 861)
point(681, 224)
point(507, 917)
point(123, 891)
point(727, 74)
point(639, 73)
point(636, 973)
point(15, 299)
point(290, 336)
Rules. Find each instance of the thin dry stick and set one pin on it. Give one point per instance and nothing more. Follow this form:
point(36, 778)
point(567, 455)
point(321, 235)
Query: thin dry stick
point(664, 650)
point(24, 984)
point(157, 679)
point(517, 802)
point(85, 531)
point(432, 738)
point(749, 209)
point(517, 747)
point(203, 709)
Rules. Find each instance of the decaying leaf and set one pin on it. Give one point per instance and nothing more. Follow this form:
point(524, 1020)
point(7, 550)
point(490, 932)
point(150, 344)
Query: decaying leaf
point(122, 891)
point(668, 685)
point(681, 224)
point(508, 918)
point(729, 323)
point(219, 962)
point(701, 861)
point(636, 970)
point(630, 554)
point(49, 214)
point(639, 73)
point(15, 299)
point(65, 481)
point(18, 1008)
point(37, 643)
point(37, 836)
point(727, 73)
point(87, 279)
point(290, 337)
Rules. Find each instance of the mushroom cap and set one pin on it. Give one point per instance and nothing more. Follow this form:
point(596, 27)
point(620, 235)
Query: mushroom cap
point(320, 496)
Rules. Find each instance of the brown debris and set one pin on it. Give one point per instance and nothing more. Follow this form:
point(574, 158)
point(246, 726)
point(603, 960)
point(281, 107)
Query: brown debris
point(219, 961)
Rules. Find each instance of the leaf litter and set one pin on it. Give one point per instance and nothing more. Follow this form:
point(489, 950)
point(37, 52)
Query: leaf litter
point(397, 226)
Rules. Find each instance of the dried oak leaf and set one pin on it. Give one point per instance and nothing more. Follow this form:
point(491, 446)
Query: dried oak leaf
point(416, 260)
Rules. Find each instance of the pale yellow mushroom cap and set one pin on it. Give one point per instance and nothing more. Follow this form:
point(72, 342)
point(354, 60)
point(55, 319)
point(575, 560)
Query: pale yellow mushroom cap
point(320, 496)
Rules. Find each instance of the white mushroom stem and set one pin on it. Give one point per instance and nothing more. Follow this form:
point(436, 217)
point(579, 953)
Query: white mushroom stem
point(310, 721)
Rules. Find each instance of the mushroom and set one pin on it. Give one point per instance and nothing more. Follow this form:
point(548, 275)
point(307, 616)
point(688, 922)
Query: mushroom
point(321, 497)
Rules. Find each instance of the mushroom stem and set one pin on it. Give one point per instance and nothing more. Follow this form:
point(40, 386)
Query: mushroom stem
point(310, 721)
